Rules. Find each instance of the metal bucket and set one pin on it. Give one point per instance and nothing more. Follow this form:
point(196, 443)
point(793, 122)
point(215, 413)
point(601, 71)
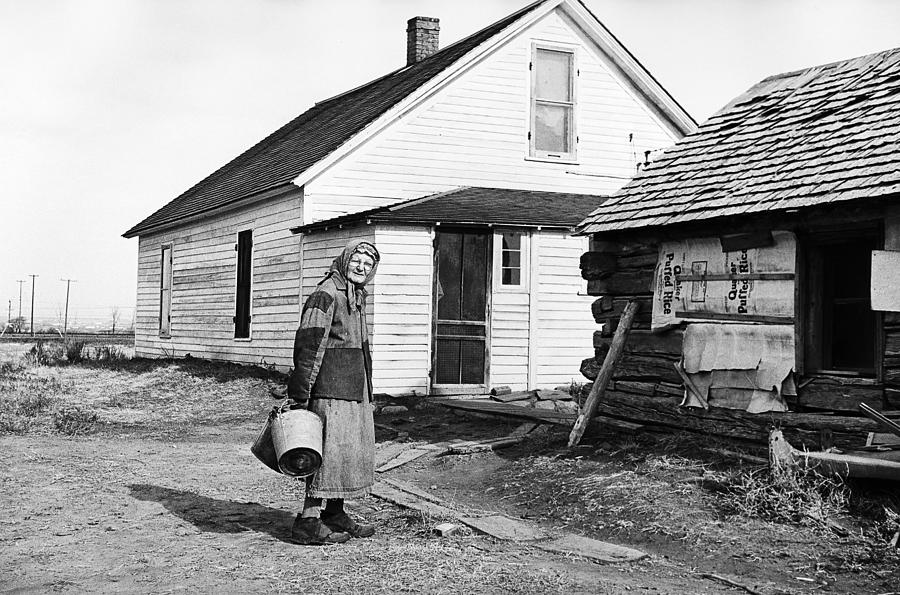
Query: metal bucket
point(297, 437)
point(291, 442)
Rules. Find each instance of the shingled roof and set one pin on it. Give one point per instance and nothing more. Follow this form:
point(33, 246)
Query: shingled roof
point(817, 136)
point(477, 206)
point(289, 151)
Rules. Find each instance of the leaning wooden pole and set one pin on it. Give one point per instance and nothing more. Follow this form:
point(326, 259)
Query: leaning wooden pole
point(606, 371)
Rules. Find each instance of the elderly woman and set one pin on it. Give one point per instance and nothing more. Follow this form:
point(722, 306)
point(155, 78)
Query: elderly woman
point(333, 378)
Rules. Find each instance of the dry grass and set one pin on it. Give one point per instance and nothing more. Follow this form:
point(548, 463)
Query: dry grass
point(41, 392)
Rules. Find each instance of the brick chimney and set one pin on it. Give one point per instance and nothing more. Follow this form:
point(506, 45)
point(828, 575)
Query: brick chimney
point(421, 38)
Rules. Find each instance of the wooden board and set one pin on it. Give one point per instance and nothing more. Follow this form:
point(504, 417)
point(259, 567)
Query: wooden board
point(885, 280)
point(539, 415)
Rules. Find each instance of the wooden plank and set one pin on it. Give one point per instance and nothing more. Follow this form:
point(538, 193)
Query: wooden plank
point(605, 374)
point(737, 277)
point(591, 548)
point(521, 395)
point(706, 315)
point(403, 458)
point(527, 413)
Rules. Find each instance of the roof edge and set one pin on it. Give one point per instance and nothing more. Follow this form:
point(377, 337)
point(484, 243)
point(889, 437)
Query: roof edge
point(245, 201)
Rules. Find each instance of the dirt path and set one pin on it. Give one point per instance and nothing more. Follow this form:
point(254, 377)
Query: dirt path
point(158, 493)
point(136, 515)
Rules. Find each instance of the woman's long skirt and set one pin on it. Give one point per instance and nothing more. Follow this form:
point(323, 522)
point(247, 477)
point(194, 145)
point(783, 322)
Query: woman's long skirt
point(348, 449)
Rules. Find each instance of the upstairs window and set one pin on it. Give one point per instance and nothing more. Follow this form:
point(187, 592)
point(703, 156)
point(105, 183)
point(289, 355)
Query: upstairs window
point(552, 134)
point(244, 250)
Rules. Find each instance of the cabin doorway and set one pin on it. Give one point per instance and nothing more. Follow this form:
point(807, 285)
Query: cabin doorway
point(462, 281)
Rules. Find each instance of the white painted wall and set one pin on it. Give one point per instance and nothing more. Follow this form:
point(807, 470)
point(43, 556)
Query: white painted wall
point(564, 323)
point(204, 267)
point(401, 344)
point(510, 314)
point(474, 133)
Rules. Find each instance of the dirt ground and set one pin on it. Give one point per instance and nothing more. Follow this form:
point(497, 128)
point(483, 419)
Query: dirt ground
point(137, 477)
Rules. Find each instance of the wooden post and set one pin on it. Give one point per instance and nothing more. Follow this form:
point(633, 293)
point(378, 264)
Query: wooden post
point(602, 380)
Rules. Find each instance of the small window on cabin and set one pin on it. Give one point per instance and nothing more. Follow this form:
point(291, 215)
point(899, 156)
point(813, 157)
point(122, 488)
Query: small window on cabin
point(165, 291)
point(244, 250)
point(552, 132)
point(511, 256)
point(842, 328)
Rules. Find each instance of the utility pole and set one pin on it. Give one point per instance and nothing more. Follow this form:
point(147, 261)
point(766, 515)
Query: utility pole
point(9, 312)
point(66, 319)
point(31, 322)
point(19, 320)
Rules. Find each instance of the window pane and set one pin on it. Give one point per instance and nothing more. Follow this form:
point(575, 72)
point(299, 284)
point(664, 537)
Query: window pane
point(553, 75)
point(512, 241)
point(551, 128)
point(166, 268)
point(512, 277)
point(512, 259)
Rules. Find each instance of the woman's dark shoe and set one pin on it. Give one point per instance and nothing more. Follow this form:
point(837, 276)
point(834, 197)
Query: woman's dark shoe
point(312, 531)
point(342, 522)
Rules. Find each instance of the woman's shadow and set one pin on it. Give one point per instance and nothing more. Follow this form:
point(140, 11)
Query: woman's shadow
point(218, 516)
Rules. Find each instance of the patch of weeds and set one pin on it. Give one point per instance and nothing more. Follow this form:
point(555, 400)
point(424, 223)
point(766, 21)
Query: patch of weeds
point(21, 412)
point(109, 354)
point(73, 421)
point(797, 496)
point(74, 352)
point(45, 354)
point(10, 368)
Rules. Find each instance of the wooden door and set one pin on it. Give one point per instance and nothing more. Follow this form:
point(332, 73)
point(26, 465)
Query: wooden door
point(462, 282)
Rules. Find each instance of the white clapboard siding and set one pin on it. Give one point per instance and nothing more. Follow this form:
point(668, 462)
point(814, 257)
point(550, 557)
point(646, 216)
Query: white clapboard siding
point(473, 132)
point(401, 341)
point(204, 267)
point(509, 337)
point(564, 323)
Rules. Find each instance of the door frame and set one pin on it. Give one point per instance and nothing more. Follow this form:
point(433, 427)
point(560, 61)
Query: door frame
point(450, 389)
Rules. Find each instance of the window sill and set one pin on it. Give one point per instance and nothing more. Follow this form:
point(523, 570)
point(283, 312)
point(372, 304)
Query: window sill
point(161, 336)
point(512, 288)
point(563, 160)
point(862, 378)
point(243, 339)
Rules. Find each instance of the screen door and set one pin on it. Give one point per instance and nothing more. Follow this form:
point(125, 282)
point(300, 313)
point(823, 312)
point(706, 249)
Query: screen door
point(461, 295)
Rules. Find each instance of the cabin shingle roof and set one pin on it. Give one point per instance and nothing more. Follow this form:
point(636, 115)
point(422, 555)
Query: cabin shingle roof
point(823, 135)
point(289, 151)
point(477, 206)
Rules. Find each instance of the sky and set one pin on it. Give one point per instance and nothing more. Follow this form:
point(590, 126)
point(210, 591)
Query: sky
point(111, 108)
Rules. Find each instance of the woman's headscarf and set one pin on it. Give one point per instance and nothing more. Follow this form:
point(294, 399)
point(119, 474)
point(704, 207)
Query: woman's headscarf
point(356, 294)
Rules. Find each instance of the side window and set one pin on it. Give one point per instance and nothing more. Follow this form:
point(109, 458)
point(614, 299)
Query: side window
point(165, 291)
point(243, 288)
point(510, 257)
point(552, 132)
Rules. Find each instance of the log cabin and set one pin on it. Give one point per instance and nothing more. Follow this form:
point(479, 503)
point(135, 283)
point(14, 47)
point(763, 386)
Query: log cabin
point(764, 251)
point(467, 167)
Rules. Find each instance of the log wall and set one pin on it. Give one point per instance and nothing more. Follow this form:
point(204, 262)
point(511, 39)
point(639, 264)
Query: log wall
point(647, 388)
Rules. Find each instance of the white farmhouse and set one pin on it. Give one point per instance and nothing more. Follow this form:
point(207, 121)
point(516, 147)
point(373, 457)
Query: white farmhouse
point(466, 168)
